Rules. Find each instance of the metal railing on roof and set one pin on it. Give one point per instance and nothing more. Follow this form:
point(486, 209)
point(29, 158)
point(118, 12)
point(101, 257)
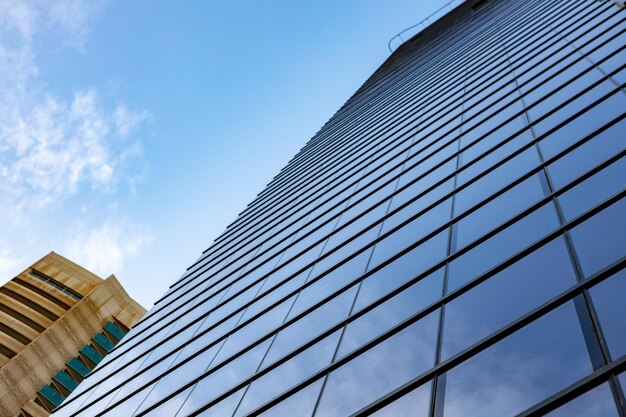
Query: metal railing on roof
point(418, 27)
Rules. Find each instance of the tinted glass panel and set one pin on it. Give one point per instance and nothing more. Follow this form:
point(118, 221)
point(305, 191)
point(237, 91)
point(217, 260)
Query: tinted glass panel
point(601, 240)
point(596, 403)
point(509, 294)
point(299, 404)
point(288, 374)
point(380, 369)
point(224, 378)
point(391, 312)
point(608, 299)
point(521, 370)
point(594, 190)
point(500, 209)
point(502, 246)
point(414, 404)
point(402, 269)
point(588, 155)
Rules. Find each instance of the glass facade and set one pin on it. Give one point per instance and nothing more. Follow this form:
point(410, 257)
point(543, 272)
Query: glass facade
point(450, 243)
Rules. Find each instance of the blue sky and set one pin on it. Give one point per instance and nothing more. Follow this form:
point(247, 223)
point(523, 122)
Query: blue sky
point(133, 132)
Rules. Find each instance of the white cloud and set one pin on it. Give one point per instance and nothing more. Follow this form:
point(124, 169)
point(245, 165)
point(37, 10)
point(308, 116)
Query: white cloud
point(59, 148)
point(51, 146)
point(104, 250)
point(127, 120)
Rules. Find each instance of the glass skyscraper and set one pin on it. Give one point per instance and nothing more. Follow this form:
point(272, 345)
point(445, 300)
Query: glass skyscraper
point(450, 244)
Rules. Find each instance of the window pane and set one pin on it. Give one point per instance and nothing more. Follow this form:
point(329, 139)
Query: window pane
point(500, 209)
point(502, 246)
point(309, 326)
point(506, 296)
point(391, 312)
point(226, 407)
point(601, 240)
point(412, 232)
point(299, 404)
point(521, 370)
point(224, 378)
point(594, 190)
point(589, 155)
point(254, 331)
point(381, 369)
point(171, 406)
point(596, 403)
point(414, 404)
point(184, 374)
point(495, 180)
point(289, 374)
point(608, 299)
point(330, 283)
point(403, 269)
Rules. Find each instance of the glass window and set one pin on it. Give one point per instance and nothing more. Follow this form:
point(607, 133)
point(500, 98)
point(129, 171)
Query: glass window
point(216, 333)
point(596, 403)
point(589, 155)
point(500, 209)
point(289, 374)
point(381, 369)
point(311, 325)
point(129, 405)
point(356, 226)
point(620, 76)
point(328, 284)
point(472, 170)
point(495, 180)
point(412, 231)
point(520, 370)
point(170, 407)
point(401, 270)
point(566, 88)
point(177, 378)
point(274, 288)
point(601, 240)
point(502, 246)
point(299, 404)
point(594, 190)
point(492, 139)
point(414, 404)
point(583, 125)
point(506, 296)
point(417, 205)
point(587, 122)
point(496, 127)
point(226, 407)
point(254, 330)
point(608, 300)
point(392, 312)
point(224, 378)
point(98, 405)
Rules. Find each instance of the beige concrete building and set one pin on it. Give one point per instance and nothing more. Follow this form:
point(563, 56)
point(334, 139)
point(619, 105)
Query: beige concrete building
point(57, 321)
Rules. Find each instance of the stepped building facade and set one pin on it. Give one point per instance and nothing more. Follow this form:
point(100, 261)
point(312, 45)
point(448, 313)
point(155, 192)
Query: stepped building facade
point(57, 322)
